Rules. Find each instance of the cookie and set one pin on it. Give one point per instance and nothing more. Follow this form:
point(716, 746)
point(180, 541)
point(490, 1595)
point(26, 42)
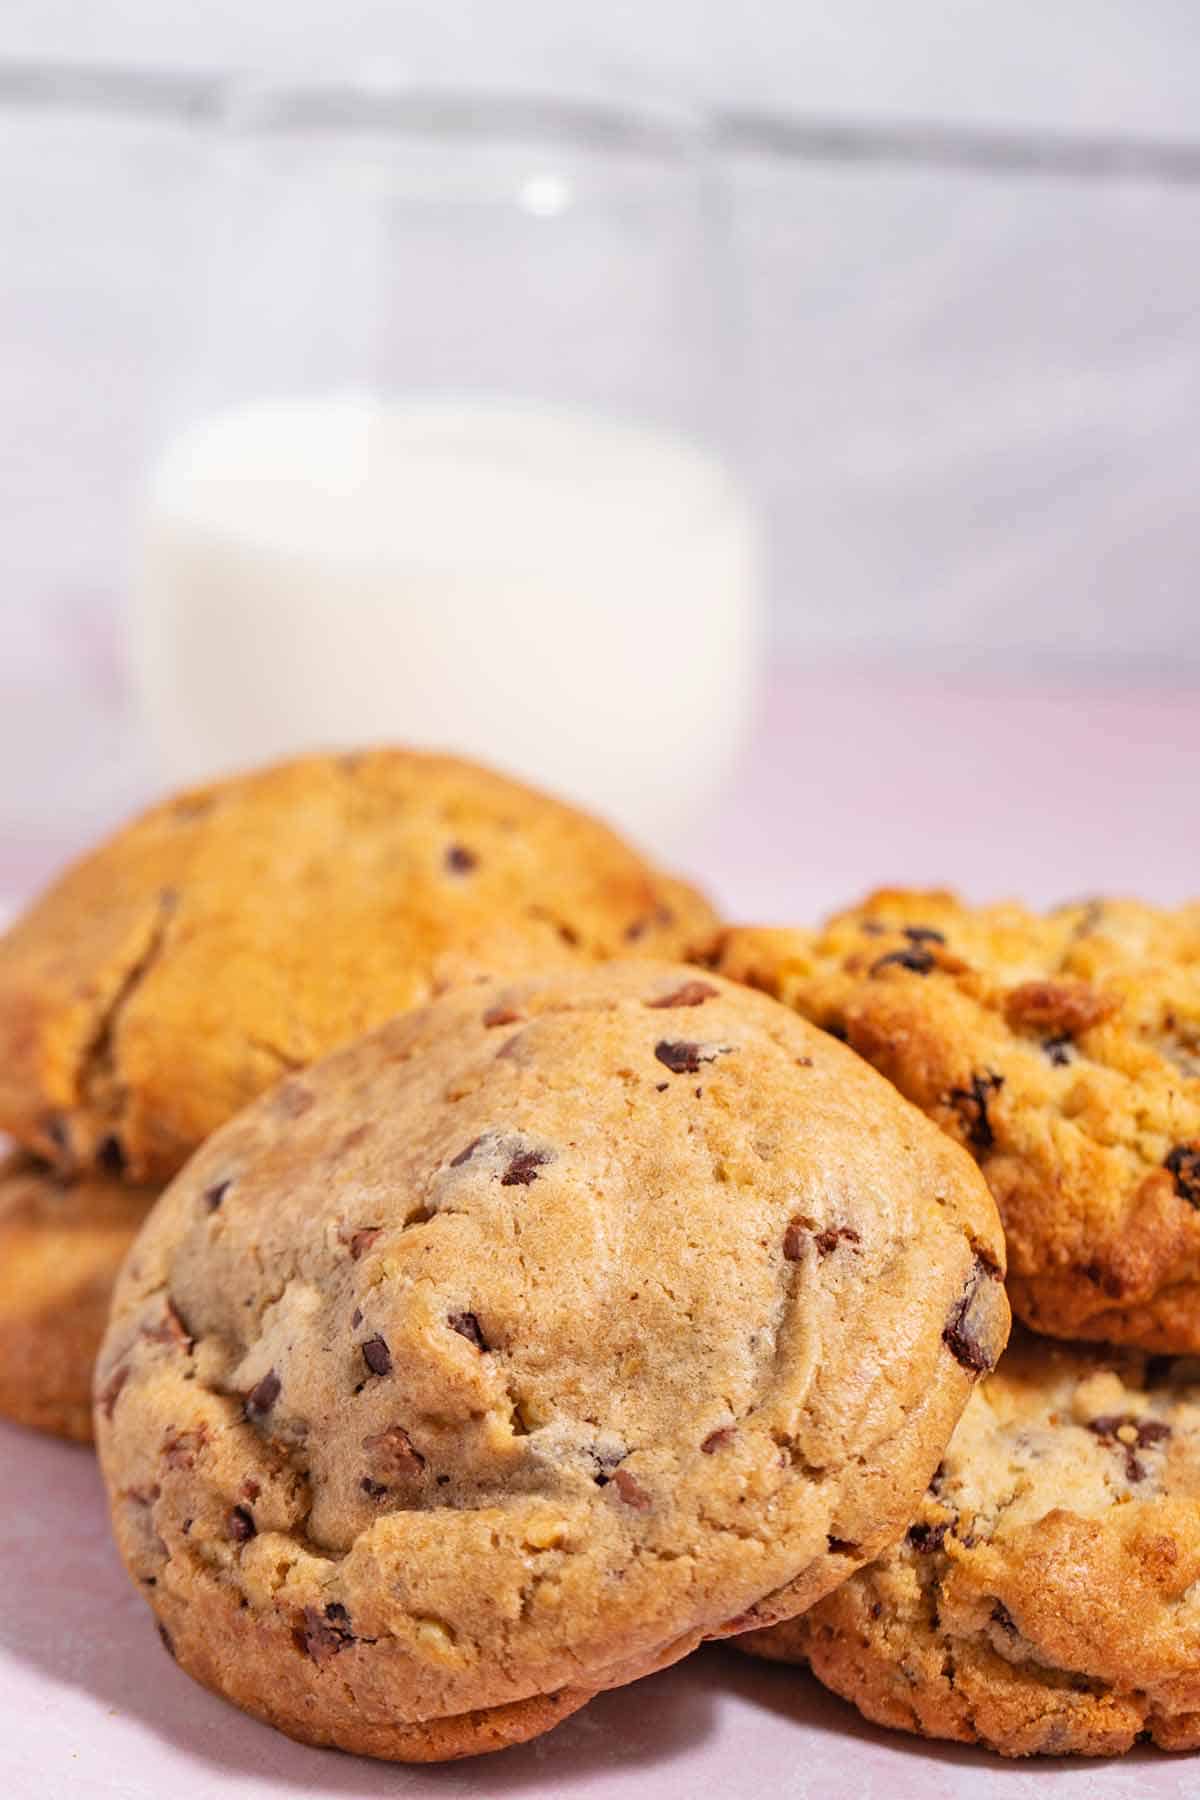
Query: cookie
point(239, 931)
point(1063, 1051)
point(60, 1248)
point(1046, 1600)
point(514, 1349)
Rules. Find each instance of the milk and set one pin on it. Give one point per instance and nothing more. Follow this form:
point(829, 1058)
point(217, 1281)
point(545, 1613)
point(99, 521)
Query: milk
point(566, 597)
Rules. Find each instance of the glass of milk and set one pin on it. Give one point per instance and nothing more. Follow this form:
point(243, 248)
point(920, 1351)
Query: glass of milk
point(452, 457)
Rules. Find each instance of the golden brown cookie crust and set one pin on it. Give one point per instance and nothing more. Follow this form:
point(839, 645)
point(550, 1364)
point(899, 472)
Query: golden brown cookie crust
point(1047, 1598)
point(241, 930)
point(1062, 1050)
point(518, 1347)
point(61, 1246)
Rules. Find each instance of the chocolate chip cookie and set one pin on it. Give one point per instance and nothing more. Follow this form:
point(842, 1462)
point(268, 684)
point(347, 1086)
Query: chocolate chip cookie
point(1063, 1051)
point(512, 1350)
point(1046, 1600)
point(60, 1248)
point(241, 930)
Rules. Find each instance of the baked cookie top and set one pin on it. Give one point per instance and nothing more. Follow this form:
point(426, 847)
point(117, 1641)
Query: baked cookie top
point(239, 931)
point(1063, 1050)
point(61, 1245)
point(1047, 1597)
point(531, 1339)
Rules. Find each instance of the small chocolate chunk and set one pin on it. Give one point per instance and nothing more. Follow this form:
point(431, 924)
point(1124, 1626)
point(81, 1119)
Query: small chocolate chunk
point(828, 1240)
point(262, 1398)
point(961, 1333)
point(323, 1637)
point(916, 958)
point(393, 1452)
point(375, 1490)
point(1004, 1619)
point(923, 934)
point(717, 1440)
point(523, 1168)
point(1183, 1164)
point(214, 1195)
point(630, 1490)
point(239, 1524)
point(467, 1325)
point(1058, 1050)
point(502, 1015)
point(683, 1058)
point(460, 860)
point(691, 993)
point(464, 1156)
point(925, 1538)
point(971, 1105)
point(377, 1356)
point(110, 1155)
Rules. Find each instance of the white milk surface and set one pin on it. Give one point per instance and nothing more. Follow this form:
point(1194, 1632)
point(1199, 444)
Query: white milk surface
point(569, 598)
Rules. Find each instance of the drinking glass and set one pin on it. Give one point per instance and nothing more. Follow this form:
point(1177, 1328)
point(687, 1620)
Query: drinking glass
point(451, 459)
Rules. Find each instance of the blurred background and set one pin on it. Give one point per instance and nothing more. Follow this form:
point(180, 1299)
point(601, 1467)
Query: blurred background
point(775, 425)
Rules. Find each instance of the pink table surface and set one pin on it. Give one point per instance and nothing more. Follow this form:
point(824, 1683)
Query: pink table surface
point(852, 779)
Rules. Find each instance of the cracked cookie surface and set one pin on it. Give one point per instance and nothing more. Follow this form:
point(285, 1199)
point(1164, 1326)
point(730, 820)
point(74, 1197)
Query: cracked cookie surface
point(509, 1352)
point(61, 1245)
point(243, 929)
point(1062, 1050)
point(1046, 1599)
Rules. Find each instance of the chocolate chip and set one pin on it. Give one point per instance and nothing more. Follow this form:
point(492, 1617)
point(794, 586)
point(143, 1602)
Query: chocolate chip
point(1004, 1619)
point(691, 993)
point(375, 1490)
point(717, 1440)
point(523, 1168)
point(110, 1156)
point(464, 1156)
point(630, 1490)
point(356, 1318)
point(393, 1452)
point(181, 1448)
point(683, 1058)
point(460, 860)
point(925, 1539)
point(827, 1241)
point(795, 1239)
point(1183, 1163)
point(170, 1330)
point(377, 1356)
point(660, 1087)
point(1140, 1434)
point(239, 1524)
point(166, 1640)
point(1058, 1050)
point(262, 1398)
point(971, 1105)
point(112, 1389)
point(916, 959)
point(501, 1015)
point(923, 934)
point(467, 1325)
point(324, 1637)
point(214, 1195)
point(960, 1334)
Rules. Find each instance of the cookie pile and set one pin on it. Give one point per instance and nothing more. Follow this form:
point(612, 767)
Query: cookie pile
point(508, 1281)
point(1046, 1598)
